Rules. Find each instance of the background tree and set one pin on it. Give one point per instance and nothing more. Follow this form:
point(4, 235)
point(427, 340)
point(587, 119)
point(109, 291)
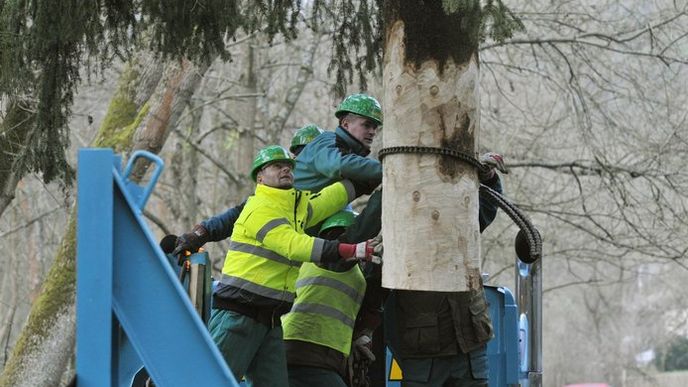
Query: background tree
point(133, 122)
point(587, 104)
point(673, 355)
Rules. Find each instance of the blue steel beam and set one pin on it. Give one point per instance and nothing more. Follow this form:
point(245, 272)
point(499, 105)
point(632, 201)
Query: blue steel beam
point(122, 269)
point(94, 345)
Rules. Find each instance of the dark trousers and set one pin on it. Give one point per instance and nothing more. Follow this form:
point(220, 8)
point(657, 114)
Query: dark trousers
point(302, 376)
point(250, 348)
point(462, 370)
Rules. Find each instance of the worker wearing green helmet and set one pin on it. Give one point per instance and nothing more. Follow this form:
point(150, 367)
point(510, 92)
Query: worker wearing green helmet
point(268, 245)
point(332, 156)
point(362, 105)
point(220, 227)
point(332, 319)
point(270, 155)
point(342, 154)
point(302, 137)
point(340, 221)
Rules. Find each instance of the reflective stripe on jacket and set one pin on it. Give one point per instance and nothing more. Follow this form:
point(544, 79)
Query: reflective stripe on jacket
point(326, 306)
point(268, 241)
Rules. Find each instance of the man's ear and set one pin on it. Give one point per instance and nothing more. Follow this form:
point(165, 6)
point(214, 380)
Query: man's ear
point(344, 121)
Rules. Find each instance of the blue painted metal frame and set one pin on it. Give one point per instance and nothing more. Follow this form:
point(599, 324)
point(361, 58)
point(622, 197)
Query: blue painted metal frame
point(95, 347)
point(503, 350)
point(200, 258)
point(131, 308)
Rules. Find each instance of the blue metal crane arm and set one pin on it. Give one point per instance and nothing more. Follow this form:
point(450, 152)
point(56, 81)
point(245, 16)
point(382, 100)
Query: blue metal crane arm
point(128, 293)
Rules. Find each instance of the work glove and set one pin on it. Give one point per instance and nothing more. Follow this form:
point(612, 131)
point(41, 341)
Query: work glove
point(168, 243)
point(362, 349)
point(492, 161)
point(191, 241)
point(363, 251)
point(378, 249)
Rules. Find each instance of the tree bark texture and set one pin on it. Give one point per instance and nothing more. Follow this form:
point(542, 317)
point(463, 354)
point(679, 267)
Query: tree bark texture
point(430, 207)
point(15, 130)
point(46, 344)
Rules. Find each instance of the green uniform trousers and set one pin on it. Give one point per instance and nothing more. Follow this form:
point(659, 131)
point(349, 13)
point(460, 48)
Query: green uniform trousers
point(303, 376)
point(462, 370)
point(251, 349)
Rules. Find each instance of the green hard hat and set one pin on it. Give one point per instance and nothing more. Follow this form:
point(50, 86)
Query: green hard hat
point(361, 104)
point(343, 218)
point(304, 135)
point(269, 154)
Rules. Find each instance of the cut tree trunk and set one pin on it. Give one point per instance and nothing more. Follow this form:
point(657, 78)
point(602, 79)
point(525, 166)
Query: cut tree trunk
point(430, 207)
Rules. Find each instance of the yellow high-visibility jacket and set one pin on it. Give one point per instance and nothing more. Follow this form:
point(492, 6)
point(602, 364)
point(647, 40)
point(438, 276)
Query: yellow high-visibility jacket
point(326, 306)
point(269, 244)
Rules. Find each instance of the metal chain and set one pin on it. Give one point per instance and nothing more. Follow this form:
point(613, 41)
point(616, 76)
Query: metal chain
point(521, 220)
point(487, 193)
point(465, 157)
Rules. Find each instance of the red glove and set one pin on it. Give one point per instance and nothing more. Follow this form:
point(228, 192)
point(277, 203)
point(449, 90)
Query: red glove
point(363, 250)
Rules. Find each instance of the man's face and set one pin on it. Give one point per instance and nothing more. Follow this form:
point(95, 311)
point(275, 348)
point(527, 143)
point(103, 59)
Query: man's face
point(361, 128)
point(277, 174)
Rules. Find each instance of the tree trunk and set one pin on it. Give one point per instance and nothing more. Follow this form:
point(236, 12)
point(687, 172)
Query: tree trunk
point(15, 130)
point(245, 151)
point(279, 121)
point(430, 82)
point(46, 344)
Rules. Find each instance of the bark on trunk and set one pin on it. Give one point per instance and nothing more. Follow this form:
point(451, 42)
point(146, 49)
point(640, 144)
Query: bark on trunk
point(46, 344)
point(245, 151)
point(15, 129)
point(430, 207)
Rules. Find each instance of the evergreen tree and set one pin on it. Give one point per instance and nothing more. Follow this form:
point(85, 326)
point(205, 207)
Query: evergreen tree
point(45, 47)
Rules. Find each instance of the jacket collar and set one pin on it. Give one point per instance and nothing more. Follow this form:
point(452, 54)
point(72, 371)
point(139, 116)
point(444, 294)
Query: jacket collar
point(353, 144)
point(276, 195)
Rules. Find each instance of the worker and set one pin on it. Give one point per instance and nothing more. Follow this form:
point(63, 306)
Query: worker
point(440, 338)
point(268, 244)
point(219, 227)
point(336, 156)
point(329, 157)
point(319, 329)
point(342, 154)
point(302, 137)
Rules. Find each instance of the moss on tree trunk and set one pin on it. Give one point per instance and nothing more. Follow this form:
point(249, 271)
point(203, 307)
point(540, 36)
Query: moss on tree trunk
point(46, 344)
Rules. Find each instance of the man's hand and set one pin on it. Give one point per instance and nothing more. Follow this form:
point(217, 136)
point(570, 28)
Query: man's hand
point(492, 161)
point(378, 249)
point(191, 241)
point(362, 349)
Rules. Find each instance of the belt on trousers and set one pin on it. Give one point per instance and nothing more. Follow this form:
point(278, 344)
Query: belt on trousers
point(270, 317)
